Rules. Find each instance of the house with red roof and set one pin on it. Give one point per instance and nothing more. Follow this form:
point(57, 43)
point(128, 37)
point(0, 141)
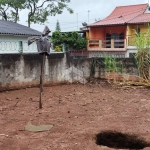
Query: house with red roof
point(114, 35)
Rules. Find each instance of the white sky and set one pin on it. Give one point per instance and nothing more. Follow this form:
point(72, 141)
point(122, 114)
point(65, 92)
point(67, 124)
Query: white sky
point(99, 9)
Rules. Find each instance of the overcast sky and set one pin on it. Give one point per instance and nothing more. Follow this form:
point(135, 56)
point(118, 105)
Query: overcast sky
point(84, 11)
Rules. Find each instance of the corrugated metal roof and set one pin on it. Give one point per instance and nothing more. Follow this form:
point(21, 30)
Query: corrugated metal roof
point(122, 15)
point(9, 27)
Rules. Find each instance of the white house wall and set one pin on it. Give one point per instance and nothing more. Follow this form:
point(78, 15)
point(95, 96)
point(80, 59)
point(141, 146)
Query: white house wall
point(16, 44)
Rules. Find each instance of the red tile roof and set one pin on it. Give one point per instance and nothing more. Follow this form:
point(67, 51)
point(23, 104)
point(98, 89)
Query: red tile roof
point(125, 14)
point(143, 18)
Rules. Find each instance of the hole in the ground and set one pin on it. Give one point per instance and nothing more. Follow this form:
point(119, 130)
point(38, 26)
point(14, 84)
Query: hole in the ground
point(119, 140)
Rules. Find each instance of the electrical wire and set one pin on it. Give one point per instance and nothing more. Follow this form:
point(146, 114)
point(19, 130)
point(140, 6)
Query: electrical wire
point(61, 23)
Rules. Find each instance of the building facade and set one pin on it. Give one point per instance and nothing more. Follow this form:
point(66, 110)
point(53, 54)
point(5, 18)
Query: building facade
point(115, 34)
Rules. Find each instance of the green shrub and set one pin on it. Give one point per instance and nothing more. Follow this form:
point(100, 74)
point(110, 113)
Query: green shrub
point(56, 39)
point(72, 41)
point(110, 63)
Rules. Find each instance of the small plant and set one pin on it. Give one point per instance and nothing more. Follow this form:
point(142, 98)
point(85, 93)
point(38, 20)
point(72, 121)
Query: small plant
point(110, 63)
point(121, 67)
point(111, 68)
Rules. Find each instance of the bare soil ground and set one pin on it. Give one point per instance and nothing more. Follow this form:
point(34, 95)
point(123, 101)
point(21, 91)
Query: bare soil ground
point(78, 113)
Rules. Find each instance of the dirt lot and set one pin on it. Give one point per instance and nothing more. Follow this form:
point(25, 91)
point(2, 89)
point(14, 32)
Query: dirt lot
point(78, 113)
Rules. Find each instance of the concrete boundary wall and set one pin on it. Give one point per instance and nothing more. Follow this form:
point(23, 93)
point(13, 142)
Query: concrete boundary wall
point(18, 71)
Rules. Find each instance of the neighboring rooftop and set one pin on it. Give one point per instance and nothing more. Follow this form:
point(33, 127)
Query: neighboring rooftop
point(9, 27)
point(143, 18)
point(125, 14)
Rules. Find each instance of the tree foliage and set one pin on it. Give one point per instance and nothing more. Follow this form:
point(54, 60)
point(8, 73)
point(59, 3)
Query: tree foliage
point(9, 9)
point(72, 41)
point(39, 10)
point(58, 26)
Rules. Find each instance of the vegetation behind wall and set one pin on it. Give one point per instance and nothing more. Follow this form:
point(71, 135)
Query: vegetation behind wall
point(142, 42)
point(72, 41)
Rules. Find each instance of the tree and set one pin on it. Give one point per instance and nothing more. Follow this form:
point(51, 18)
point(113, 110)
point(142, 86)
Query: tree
point(58, 26)
point(72, 41)
point(40, 10)
point(9, 9)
